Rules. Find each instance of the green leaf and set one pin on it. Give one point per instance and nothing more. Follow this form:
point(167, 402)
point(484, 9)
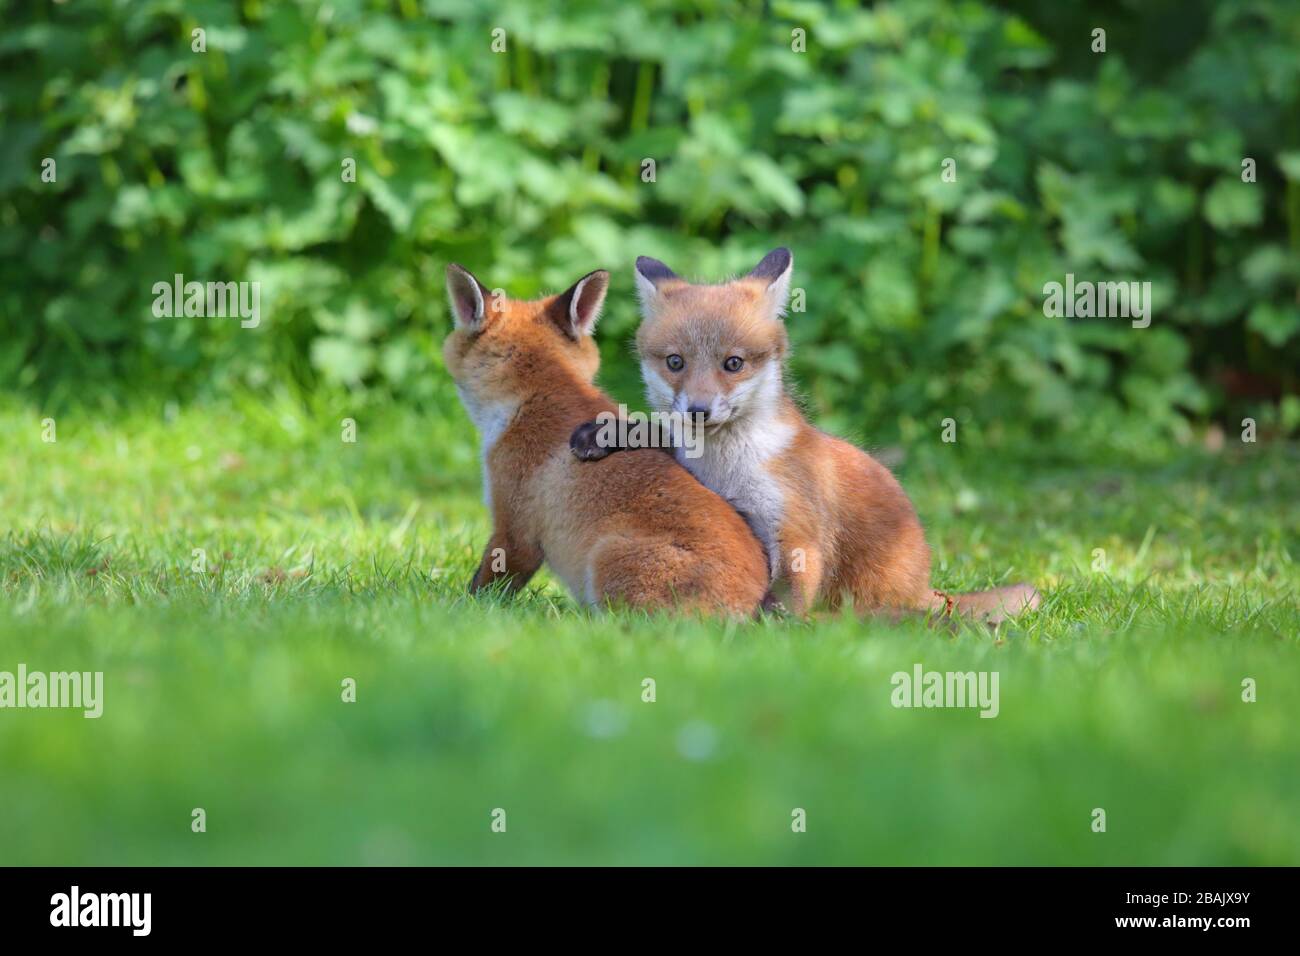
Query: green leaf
point(1231, 204)
point(1290, 165)
point(1276, 323)
point(342, 361)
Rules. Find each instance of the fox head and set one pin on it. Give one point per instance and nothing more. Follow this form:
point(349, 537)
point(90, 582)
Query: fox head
point(502, 350)
point(714, 350)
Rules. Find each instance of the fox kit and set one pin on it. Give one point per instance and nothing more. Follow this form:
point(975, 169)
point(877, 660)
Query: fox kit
point(834, 521)
point(635, 530)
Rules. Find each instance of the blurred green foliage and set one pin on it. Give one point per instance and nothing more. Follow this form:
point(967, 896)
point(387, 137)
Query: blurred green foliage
point(923, 296)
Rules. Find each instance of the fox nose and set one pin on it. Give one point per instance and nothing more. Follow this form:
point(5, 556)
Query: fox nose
point(698, 410)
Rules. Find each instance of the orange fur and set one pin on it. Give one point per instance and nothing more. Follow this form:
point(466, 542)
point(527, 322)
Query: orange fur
point(636, 529)
point(835, 521)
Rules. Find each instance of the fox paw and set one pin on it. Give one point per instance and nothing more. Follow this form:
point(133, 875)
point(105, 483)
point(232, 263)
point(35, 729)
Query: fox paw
point(583, 443)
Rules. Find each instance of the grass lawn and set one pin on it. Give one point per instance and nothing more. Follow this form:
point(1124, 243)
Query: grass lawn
point(326, 560)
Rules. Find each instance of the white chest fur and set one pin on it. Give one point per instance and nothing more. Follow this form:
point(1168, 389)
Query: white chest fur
point(735, 465)
point(491, 419)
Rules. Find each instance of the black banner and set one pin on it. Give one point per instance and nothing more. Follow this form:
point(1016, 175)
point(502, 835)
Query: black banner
point(337, 905)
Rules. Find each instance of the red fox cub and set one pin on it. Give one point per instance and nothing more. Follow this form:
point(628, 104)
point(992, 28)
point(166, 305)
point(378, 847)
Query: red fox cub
point(834, 521)
point(636, 530)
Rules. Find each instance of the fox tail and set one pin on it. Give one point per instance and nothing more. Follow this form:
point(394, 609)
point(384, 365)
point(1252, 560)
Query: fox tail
point(993, 606)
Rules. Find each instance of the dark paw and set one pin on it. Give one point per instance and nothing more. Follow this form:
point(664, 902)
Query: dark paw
point(771, 604)
point(583, 442)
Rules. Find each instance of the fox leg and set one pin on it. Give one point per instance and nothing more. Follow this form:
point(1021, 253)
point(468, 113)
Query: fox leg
point(803, 568)
point(507, 557)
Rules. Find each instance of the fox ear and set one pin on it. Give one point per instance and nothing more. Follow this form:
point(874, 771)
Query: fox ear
point(774, 275)
point(650, 274)
point(466, 294)
point(581, 304)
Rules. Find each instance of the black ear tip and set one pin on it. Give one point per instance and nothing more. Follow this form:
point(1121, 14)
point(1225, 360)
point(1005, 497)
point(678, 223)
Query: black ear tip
point(596, 278)
point(653, 269)
point(773, 264)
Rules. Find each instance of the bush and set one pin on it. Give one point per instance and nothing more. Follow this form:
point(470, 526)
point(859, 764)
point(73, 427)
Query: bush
point(923, 297)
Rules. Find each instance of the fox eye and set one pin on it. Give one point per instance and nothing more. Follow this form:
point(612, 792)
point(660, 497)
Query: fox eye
point(733, 363)
point(675, 363)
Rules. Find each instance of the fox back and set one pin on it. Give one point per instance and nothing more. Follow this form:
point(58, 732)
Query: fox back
point(634, 530)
